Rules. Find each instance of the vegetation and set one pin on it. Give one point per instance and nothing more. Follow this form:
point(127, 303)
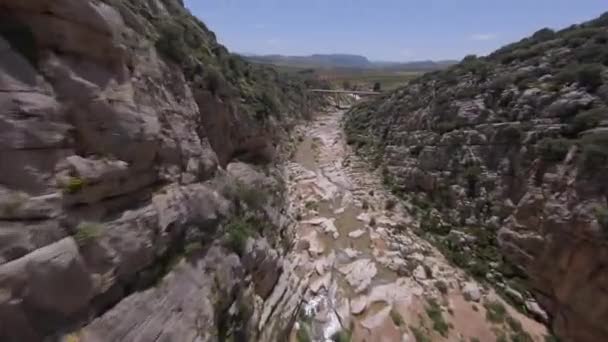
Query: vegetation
point(587, 120)
point(193, 248)
point(595, 152)
point(303, 335)
point(74, 185)
point(553, 150)
point(495, 311)
point(390, 204)
point(13, 203)
point(251, 196)
point(441, 286)
point(342, 336)
point(396, 317)
point(87, 232)
point(601, 215)
point(590, 76)
point(433, 310)
point(419, 335)
point(238, 231)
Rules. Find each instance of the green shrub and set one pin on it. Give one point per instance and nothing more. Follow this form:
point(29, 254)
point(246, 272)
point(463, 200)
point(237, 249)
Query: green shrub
point(193, 248)
point(74, 185)
point(479, 269)
point(514, 324)
point(441, 286)
point(590, 76)
point(311, 205)
point(238, 231)
point(433, 310)
point(551, 338)
point(495, 311)
point(390, 204)
point(87, 232)
point(342, 336)
point(544, 35)
point(171, 42)
point(595, 152)
point(553, 150)
point(419, 335)
point(501, 337)
point(396, 317)
point(267, 105)
point(521, 336)
point(472, 172)
point(214, 82)
point(588, 120)
point(252, 197)
point(303, 335)
point(567, 75)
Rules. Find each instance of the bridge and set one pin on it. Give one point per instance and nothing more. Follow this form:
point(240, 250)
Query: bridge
point(352, 92)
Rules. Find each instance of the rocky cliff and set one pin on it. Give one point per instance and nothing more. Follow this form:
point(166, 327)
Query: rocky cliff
point(132, 146)
point(504, 159)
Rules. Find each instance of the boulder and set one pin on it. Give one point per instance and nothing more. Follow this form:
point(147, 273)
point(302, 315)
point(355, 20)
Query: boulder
point(471, 291)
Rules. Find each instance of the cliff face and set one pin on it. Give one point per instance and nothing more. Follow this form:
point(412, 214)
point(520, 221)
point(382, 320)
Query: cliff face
point(125, 133)
point(504, 159)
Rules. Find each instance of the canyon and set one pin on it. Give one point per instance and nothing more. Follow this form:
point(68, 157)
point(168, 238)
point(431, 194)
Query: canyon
point(156, 187)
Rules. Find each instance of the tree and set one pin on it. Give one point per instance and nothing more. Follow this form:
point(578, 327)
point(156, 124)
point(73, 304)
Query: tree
point(377, 86)
point(346, 85)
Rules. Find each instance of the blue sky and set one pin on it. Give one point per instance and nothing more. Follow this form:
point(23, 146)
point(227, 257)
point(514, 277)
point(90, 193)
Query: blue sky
point(394, 30)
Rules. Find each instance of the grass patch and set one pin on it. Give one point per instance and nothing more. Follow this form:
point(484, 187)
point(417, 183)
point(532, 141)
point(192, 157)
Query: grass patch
point(433, 310)
point(87, 232)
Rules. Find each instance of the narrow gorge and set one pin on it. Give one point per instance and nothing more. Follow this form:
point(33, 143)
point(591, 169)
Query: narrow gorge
point(156, 187)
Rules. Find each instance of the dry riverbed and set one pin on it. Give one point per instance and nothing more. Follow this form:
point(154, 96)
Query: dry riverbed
point(370, 277)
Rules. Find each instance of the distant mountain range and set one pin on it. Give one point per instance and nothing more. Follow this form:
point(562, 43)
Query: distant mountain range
point(347, 61)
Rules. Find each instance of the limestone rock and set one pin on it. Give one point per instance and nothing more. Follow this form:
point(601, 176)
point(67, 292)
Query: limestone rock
point(472, 291)
point(263, 263)
point(359, 274)
point(358, 305)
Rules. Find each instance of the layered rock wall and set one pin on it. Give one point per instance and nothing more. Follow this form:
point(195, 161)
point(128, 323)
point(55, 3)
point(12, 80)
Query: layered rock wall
point(504, 159)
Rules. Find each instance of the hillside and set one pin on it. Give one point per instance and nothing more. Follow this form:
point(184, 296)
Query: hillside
point(504, 160)
point(343, 61)
point(314, 61)
point(137, 158)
